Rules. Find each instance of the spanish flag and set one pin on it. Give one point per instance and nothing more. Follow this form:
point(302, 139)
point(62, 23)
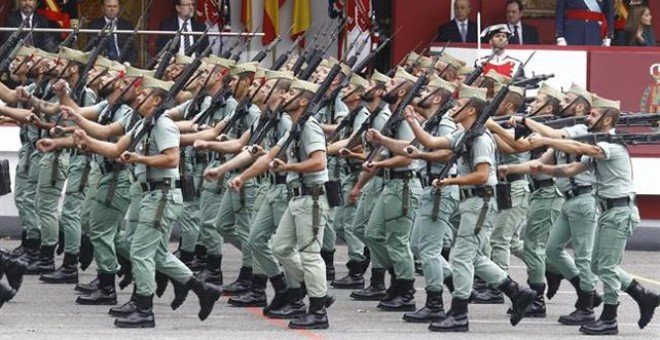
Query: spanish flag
point(246, 14)
point(271, 22)
point(302, 17)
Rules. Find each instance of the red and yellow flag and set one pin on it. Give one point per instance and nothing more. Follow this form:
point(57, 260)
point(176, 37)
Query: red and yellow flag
point(302, 17)
point(246, 14)
point(271, 22)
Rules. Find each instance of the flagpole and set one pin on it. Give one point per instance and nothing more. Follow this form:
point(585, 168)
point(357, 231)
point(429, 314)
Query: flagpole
point(478, 35)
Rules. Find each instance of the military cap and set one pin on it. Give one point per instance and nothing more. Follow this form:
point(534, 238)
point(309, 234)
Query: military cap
point(244, 67)
point(379, 77)
point(489, 31)
point(73, 55)
point(304, 85)
point(136, 72)
point(550, 91)
point(425, 62)
point(443, 84)
point(451, 60)
point(466, 91)
point(182, 59)
point(465, 70)
point(103, 62)
point(606, 103)
point(577, 90)
point(151, 82)
point(402, 74)
point(412, 57)
point(329, 62)
point(270, 74)
point(222, 62)
point(260, 73)
point(26, 51)
point(492, 74)
point(359, 81)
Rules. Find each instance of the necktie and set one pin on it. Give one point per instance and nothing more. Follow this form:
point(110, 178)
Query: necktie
point(463, 32)
point(516, 36)
point(29, 40)
point(186, 38)
point(111, 48)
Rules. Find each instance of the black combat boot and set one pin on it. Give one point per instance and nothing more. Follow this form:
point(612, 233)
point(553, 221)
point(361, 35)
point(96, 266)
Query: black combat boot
point(255, 297)
point(22, 248)
point(207, 294)
point(367, 260)
point(212, 273)
point(329, 259)
point(32, 251)
point(126, 272)
point(584, 310)
point(46, 263)
point(13, 268)
point(125, 309)
point(354, 279)
point(105, 295)
point(575, 282)
point(449, 283)
point(66, 273)
point(6, 293)
point(537, 308)
point(554, 281)
point(86, 288)
point(294, 307)
point(605, 325)
point(479, 285)
point(404, 299)
point(161, 283)
point(445, 253)
point(242, 283)
point(456, 319)
point(647, 301)
point(142, 317)
point(186, 257)
point(521, 298)
point(490, 296)
point(60, 243)
point(376, 289)
point(281, 293)
point(393, 289)
point(316, 318)
point(199, 262)
point(180, 294)
point(86, 251)
point(432, 311)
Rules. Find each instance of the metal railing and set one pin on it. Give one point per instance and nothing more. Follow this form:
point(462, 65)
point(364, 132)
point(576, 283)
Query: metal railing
point(139, 32)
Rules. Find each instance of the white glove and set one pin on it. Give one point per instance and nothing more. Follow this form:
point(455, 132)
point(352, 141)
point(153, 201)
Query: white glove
point(561, 41)
point(607, 42)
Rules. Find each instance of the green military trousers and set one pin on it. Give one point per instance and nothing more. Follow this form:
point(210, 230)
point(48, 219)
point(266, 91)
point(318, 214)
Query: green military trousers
point(343, 217)
point(74, 195)
point(575, 224)
point(264, 225)
point(53, 169)
point(544, 208)
point(507, 223)
point(209, 206)
point(149, 244)
point(614, 228)
point(108, 210)
point(468, 254)
point(90, 195)
point(365, 205)
point(233, 219)
point(25, 189)
point(428, 236)
point(390, 225)
point(123, 247)
point(297, 243)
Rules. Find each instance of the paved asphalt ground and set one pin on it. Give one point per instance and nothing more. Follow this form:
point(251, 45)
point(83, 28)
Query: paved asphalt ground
point(42, 311)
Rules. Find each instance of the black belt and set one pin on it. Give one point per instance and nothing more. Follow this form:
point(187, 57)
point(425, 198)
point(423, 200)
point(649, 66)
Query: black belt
point(160, 185)
point(514, 177)
point(484, 191)
point(577, 191)
point(277, 179)
point(74, 152)
point(352, 168)
point(306, 191)
point(218, 157)
point(541, 183)
point(201, 158)
point(609, 203)
point(108, 167)
point(407, 175)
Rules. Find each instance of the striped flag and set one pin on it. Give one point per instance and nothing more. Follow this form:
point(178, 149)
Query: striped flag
point(302, 18)
point(271, 21)
point(246, 14)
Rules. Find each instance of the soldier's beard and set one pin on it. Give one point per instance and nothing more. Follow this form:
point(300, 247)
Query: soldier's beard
point(390, 97)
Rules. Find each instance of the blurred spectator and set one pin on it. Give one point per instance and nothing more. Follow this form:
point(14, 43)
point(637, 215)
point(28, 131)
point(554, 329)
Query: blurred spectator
point(460, 29)
point(522, 33)
point(638, 31)
point(584, 22)
point(26, 9)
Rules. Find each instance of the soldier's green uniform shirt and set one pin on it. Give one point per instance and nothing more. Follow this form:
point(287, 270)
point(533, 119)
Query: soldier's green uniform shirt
point(311, 139)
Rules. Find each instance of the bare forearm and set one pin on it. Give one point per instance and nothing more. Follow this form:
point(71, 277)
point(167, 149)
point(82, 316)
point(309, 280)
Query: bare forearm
point(241, 160)
point(395, 145)
point(161, 161)
point(233, 146)
point(543, 129)
point(394, 162)
point(307, 166)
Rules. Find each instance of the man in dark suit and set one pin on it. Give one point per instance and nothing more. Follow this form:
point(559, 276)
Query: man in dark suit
point(528, 33)
point(459, 29)
point(117, 42)
point(185, 10)
point(44, 41)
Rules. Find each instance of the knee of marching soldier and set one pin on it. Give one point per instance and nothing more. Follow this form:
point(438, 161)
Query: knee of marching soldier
point(280, 248)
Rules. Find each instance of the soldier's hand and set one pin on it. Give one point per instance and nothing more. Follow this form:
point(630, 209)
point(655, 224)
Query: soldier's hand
point(537, 141)
point(57, 131)
point(373, 135)
point(200, 144)
point(439, 183)
point(69, 114)
point(515, 120)
point(503, 170)
point(255, 149)
point(22, 94)
point(129, 157)
point(354, 196)
point(223, 138)
point(409, 114)
point(33, 118)
point(369, 166)
point(413, 152)
point(236, 184)
point(277, 165)
point(80, 139)
point(536, 168)
point(212, 174)
point(345, 152)
point(60, 87)
point(46, 145)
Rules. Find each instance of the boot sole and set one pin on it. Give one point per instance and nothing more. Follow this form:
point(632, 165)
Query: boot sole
point(375, 298)
point(481, 302)
point(148, 325)
point(450, 330)
point(118, 315)
point(354, 286)
point(70, 281)
point(285, 317)
point(245, 305)
point(411, 320)
point(573, 323)
point(397, 309)
point(234, 293)
point(609, 332)
point(324, 326)
point(94, 303)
